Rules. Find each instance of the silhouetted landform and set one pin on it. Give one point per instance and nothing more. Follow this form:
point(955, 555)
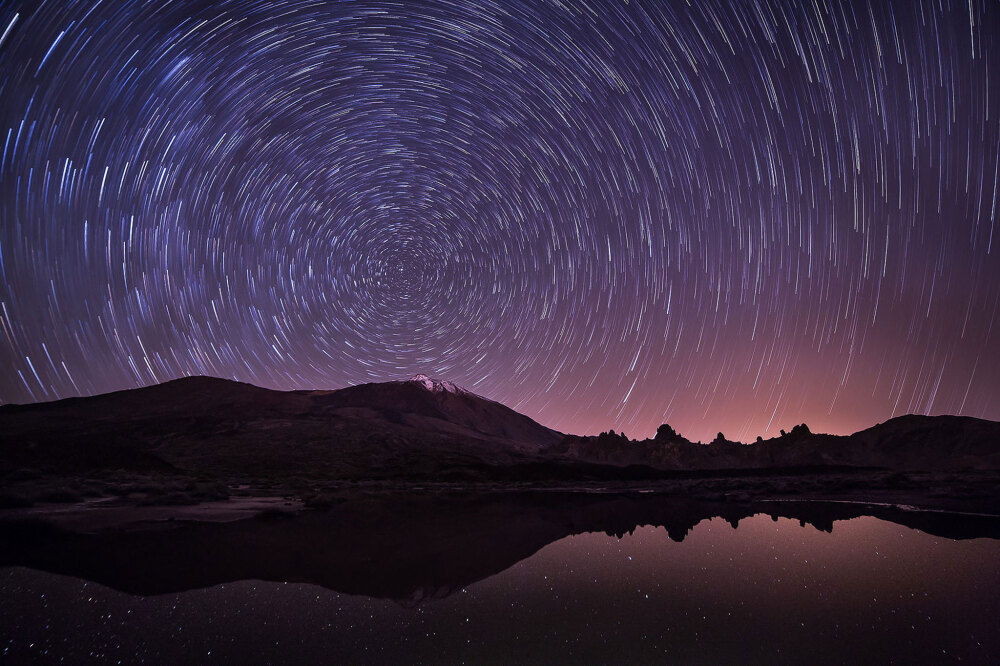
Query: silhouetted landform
point(424, 429)
point(209, 425)
point(409, 548)
point(910, 442)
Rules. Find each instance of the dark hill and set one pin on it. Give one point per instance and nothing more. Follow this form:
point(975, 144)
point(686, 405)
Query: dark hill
point(209, 425)
point(422, 428)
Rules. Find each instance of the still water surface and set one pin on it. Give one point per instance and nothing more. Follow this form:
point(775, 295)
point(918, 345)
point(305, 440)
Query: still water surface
point(770, 591)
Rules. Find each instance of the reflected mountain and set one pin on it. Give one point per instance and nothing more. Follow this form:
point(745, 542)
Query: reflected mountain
point(409, 548)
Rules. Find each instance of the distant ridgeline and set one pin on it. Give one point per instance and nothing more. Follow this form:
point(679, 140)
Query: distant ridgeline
point(905, 442)
point(669, 449)
point(424, 428)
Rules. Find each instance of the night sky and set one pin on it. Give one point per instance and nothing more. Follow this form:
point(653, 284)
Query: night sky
point(730, 216)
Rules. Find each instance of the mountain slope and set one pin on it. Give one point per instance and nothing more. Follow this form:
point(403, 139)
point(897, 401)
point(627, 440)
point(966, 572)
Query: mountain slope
point(423, 403)
point(420, 428)
point(204, 424)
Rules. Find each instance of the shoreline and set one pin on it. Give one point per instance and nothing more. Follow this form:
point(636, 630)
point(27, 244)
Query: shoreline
point(144, 501)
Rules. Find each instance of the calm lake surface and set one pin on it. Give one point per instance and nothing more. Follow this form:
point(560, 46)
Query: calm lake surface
point(770, 591)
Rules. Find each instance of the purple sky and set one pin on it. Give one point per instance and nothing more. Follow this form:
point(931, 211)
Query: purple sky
point(730, 216)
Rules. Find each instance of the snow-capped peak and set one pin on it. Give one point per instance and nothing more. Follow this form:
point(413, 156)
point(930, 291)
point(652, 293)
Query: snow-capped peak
point(436, 385)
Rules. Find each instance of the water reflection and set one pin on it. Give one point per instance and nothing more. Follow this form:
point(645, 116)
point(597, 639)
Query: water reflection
point(407, 548)
point(555, 584)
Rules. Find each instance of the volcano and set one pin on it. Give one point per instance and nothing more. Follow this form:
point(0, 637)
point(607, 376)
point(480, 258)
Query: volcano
point(205, 424)
point(420, 428)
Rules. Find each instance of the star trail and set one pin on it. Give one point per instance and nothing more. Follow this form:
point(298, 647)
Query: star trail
point(730, 216)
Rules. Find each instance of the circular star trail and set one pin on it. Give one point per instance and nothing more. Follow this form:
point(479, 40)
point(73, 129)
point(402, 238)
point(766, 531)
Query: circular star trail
point(730, 216)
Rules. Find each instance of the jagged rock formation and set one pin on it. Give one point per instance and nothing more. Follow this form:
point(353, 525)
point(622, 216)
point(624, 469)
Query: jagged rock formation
point(906, 442)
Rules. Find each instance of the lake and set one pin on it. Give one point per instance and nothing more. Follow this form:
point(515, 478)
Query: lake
point(772, 590)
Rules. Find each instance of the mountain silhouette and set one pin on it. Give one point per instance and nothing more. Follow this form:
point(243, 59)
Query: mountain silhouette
point(210, 425)
point(910, 442)
point(433, 405)
point(422, 428)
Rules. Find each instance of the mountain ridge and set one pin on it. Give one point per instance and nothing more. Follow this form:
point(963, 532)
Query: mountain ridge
point(421, 427)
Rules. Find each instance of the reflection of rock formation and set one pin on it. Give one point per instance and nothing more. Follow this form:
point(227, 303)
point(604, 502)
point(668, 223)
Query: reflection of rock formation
point(409, 548)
